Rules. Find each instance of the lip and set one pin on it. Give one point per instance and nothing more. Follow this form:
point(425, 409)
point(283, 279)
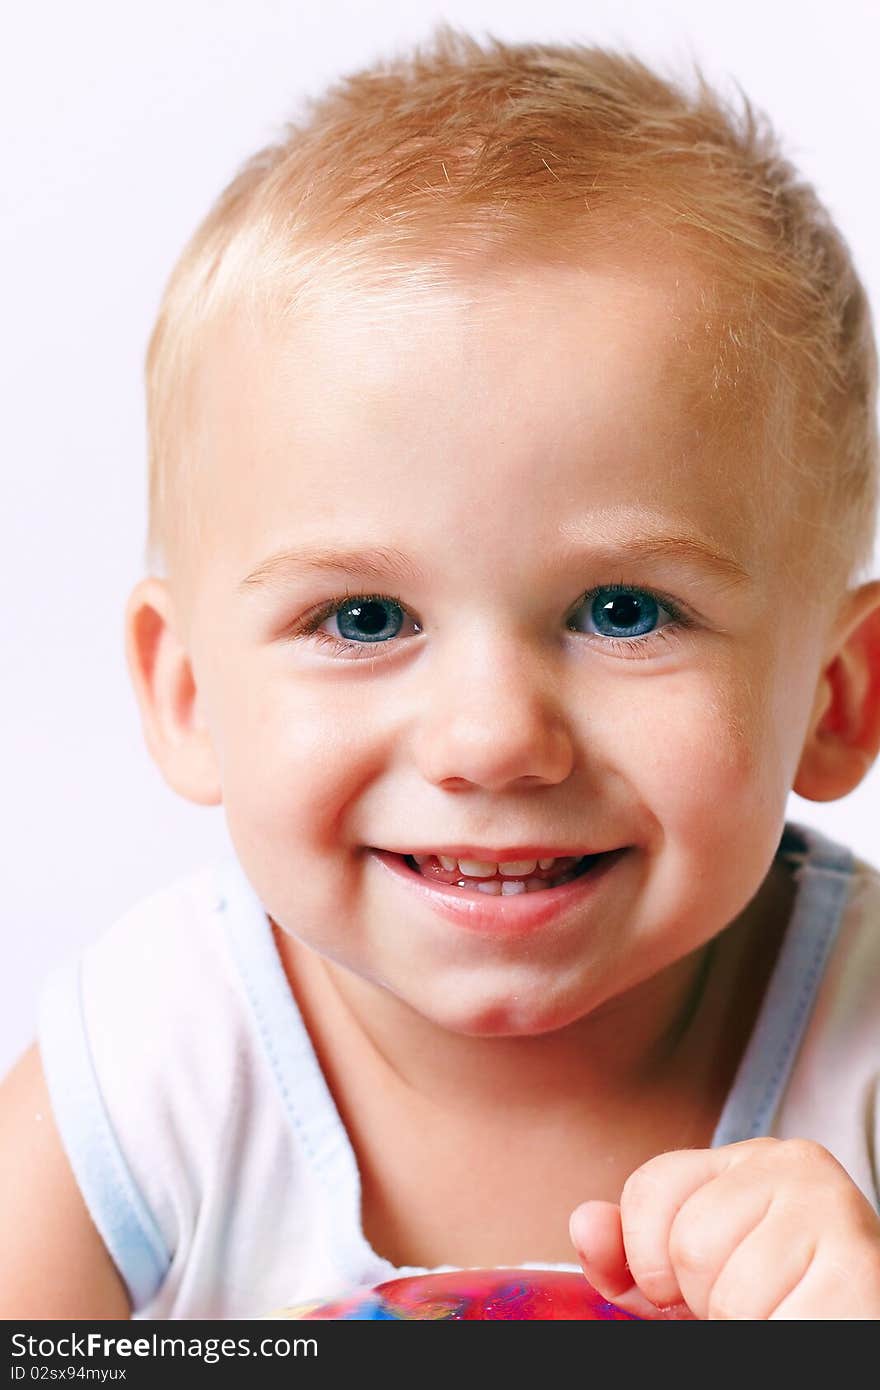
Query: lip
point(510, 854)
point(512, 914)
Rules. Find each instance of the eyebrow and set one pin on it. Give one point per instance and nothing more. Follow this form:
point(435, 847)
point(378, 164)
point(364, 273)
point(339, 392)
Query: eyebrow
point(687, 549)
point(377, 562)
point(383, 563)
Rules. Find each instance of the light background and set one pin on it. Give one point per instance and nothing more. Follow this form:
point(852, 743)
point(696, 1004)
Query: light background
point(120, 125)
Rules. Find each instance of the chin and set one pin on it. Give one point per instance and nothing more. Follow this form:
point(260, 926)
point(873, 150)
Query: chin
point(510, 1017)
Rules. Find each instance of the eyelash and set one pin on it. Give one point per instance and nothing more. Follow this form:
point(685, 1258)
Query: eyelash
point(631, 648)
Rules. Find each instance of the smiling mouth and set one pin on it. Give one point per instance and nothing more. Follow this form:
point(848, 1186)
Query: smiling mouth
point(538, 881)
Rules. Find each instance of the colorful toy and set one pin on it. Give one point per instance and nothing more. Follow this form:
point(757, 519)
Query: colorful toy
point(468, 1295)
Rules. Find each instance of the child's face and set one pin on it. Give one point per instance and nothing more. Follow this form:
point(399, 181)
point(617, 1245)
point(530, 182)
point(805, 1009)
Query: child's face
point(538, 447)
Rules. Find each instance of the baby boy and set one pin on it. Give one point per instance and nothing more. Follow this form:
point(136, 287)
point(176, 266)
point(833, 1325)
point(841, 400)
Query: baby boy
point(513, 469)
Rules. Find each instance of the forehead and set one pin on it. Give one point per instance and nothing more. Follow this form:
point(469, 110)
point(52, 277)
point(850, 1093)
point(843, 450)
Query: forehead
point(597, 386)
point(547, 327)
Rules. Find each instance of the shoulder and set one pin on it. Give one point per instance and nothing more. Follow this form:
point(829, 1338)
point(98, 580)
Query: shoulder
point(185, 1089)
point(135, 1035)
point(834, 935)
point(172, 921)
point(853, 971)
point(148, 982)
point(838, 921)
point(834, 1088)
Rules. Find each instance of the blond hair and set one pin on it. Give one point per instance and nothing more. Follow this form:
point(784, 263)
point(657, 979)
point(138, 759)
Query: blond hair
point(460, 154)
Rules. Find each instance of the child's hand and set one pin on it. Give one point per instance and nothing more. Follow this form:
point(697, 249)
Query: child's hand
point(768, 1228)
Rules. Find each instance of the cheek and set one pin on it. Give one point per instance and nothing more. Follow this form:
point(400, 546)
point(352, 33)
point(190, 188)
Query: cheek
point(294, 766)
point(713, 761)
point(294, 760)
point(713, 780)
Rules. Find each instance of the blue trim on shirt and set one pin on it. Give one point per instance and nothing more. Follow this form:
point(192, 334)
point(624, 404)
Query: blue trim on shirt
point(111, 1194)
point(301, 1084)
point(824, 874)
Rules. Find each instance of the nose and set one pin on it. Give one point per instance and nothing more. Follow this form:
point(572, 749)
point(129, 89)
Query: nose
point(495, 719)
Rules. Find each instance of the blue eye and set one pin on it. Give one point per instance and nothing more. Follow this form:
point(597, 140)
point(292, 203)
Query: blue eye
point(366, 623)
point(369, 619)
point(617, 611)
point(622, 621)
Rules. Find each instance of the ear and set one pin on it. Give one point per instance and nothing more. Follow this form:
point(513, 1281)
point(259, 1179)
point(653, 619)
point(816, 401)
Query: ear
point(164, 684)
point(844, 736)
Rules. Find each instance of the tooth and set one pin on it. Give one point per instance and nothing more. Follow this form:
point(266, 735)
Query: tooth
point(421, 858)
point(546, 863)
point(476, 868)
point(446, 862)
point(508, 888)
point(520, 868)
point(494, 888)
